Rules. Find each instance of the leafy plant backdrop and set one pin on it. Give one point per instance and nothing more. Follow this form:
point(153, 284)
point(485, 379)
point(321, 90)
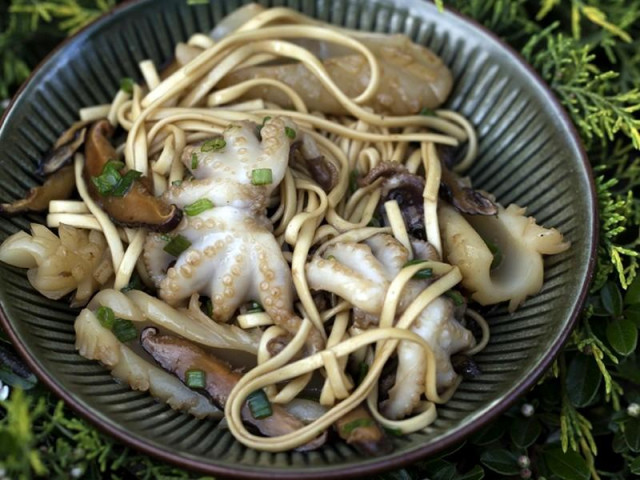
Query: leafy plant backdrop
point(588, 51)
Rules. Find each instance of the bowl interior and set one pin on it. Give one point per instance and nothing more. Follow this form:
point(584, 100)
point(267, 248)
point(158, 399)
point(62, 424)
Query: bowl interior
point(529, 154)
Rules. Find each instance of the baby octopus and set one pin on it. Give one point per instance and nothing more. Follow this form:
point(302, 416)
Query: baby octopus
point(361, 273)
point(233, 256)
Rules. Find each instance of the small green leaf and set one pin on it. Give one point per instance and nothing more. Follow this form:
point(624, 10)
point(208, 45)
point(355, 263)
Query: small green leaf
point(634, 466)
point(611, 299)
point(623, 336)
point(632, 297)
point(489, 434)
point(583, 380)
point(619, 444)
point(632, 434)
point(500, 461)
point(476, 473)
point(567, 465)
point(446, 472)
point(632, 312)
point(524, 431)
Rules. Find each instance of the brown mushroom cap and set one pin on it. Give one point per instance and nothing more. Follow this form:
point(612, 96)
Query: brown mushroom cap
point(56, 187)
point(138, 207)
point(64, 148)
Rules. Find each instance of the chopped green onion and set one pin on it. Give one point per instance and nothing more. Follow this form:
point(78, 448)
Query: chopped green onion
point(396, 432)
point(177, 245)
point(199, 206)
point(124, 330)
point(213, 145)
point(353, 181)
point(261, 176)
point(194, 161)
point(496, 252)
point(347, 428)
point(111, 182)
point(195, 378)
point(176, 183)
point(255, 307)
point(265, 120)
point(427, 112)
point(106, 317)
point(207, 307)
point(134, 284)
point(364, 369)
point(290, 132)
point(126, 85)
point(420, 274)
point(455, 296)
point(259, 405)
point(331, 257)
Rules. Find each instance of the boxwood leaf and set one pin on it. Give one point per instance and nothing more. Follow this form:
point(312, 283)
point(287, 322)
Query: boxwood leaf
point(567, 465)
point(476, 473)
point(634, 466)
point(633, 292)
point(632, 312)
point(611, 299)
point(489, 434)
point(446, 472)
point(623, 336)
point(524, 431)
point(632, 434)
point(583, 380)
point(500, 461)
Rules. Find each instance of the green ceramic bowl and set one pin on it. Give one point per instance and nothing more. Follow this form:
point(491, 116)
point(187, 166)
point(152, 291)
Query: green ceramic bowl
point(529, 154)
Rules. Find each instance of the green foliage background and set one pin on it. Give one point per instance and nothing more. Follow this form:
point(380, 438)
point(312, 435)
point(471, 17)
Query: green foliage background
point(583, 419)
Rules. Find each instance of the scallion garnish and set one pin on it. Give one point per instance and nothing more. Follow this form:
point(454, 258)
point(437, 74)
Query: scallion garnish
point(195, 378)
point(364, 369)
point(134, 284)
point(126, 85)
point(255, 307)
point(347, 428)
point(261, 176)
point(290, 132)
point(199, 206)
point(213, 145)
point(194, 161)
point(124, 330)
point(259, 405)
point(111, 182)
point(420, 274)
point(396, 432)
point(106, 317)
point(496, 252)
point(455, 296)
point(177, 245)
point(427, 112)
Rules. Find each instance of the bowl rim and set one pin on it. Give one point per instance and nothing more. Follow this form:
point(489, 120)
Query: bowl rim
point(345, 471)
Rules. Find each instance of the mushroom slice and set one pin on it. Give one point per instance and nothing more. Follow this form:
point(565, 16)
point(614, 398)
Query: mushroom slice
point(463, 196)
point(64, 148)
point(136, 208)
point(55, 187)
point(178, 356)
point(361, 431)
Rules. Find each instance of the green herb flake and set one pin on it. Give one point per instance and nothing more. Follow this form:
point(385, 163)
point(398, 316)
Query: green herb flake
point(106, 317)
point(126, 85)
point(213, 145)
point(259, 405)
point(455, 296)
point(195, 378)
point(199, 206)
point(177, 245)
point(261, 176)
point(194, 161)
point(420, 274)
point(395, 432)
point(290, 132)
point(427, 112)
point(363, 370)
point(124, 330)
point(347, 428)
point(111, 182)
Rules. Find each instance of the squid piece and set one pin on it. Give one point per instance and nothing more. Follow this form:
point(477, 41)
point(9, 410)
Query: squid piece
point(369, 268)
point(95, 342)
point(179, 356)
point(75, 259)
point(232, 256)
point(412, 76)
point(521, 242)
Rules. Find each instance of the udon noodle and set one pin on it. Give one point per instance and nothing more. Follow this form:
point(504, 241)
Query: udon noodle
point(304, 168)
